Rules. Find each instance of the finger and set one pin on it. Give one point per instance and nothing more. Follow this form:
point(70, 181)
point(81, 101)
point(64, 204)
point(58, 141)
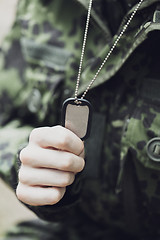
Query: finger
point(38, 196)
point(45, 177)
point(57, 137)
point(47, 158)
point(82, 154)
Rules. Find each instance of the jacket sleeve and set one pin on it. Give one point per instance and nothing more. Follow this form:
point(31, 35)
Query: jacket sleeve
point(24, 105)
point(13, 133)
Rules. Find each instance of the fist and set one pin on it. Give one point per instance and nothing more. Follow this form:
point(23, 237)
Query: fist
point(49, 164)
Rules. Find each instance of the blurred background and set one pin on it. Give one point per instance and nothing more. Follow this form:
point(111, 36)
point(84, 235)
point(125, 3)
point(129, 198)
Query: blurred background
point(11, 210)
point(7, 13)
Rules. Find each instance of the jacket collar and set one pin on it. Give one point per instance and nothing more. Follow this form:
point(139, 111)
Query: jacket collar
point(130, 40)
point(146, 3)
point(103, 26)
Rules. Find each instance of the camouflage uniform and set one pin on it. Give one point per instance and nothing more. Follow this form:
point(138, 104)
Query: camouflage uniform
point(117, 196)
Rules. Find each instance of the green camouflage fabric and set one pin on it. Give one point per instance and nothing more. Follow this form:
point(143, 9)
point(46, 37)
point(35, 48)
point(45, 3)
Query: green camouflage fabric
point(117, 196)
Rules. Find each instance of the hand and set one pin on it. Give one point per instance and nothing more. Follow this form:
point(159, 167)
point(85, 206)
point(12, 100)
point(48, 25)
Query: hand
point(49, 163)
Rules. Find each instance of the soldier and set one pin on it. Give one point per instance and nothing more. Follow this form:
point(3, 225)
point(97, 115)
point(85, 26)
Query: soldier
point(106, 186)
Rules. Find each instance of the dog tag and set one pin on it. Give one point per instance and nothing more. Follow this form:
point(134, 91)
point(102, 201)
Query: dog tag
point(76, 116)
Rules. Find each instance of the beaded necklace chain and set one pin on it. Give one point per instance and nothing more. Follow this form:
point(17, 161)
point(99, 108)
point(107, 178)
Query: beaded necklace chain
point(76, 112)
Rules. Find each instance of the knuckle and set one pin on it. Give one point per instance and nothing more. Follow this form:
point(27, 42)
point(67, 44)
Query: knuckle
point(81, 151)
point(23, 156)
point(67, 179)
point(81, 165)
point(72, 178)
point(54, 196)
point(63, 141)
point(57, 127)
point(20, 193)
point(67, 163)
point(38, 133)
point(33, 134)
point(23, 178)
point(20, 174)
point(57, 195)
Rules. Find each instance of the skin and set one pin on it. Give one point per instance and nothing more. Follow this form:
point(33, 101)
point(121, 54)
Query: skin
point(50, 162)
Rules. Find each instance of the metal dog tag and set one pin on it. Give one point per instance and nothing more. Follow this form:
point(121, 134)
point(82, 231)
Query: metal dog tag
point(76, 116)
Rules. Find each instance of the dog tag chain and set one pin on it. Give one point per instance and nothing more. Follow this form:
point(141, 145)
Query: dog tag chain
point(77, 112)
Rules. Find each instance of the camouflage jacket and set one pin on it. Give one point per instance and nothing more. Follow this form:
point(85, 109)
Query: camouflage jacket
point(39, 61)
